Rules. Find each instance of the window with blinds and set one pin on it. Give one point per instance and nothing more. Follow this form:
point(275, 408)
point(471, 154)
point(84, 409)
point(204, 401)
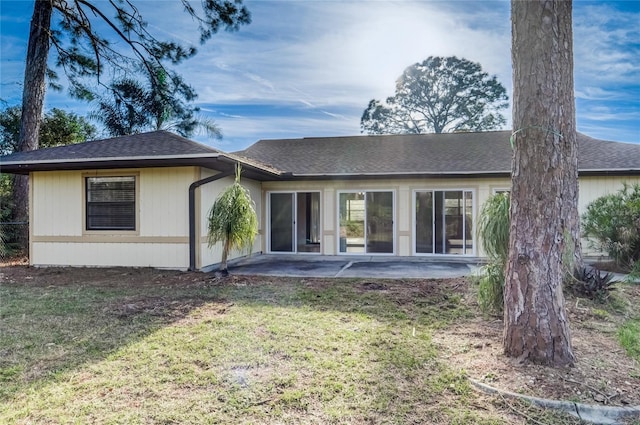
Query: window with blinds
point(111, 203)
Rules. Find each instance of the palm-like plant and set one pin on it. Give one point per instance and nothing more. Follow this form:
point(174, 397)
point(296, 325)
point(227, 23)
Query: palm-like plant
point(233, 221)
point(493, 228)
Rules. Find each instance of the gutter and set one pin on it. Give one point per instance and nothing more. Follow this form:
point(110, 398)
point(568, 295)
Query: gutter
point(192, 213)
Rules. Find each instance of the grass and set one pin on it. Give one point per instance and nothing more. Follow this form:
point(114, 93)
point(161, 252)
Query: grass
point(629, 336)
point(195, 351)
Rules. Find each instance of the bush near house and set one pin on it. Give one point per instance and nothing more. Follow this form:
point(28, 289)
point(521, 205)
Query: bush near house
point(612, 223)
point(493, 229)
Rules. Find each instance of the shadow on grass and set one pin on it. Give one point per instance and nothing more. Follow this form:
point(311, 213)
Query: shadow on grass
point(353, 349)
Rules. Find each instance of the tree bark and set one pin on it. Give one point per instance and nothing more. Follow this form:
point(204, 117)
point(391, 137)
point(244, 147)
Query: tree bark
point(32, 97)
point(544, 183)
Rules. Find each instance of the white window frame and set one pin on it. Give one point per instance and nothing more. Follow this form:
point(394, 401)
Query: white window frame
point(293, 224)
point(414, 221)
point(393, 220)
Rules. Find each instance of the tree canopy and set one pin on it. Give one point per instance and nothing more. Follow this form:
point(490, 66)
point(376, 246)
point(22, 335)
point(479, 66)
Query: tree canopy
point(58, 128)
point(82, 41)
point(439, 95)
point(90, 38)
point(131, 106)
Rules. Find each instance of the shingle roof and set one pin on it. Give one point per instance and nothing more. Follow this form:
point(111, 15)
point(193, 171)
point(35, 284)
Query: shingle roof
point(436, 154)
point(153, 149)
point(153, 144)
point(485, 153)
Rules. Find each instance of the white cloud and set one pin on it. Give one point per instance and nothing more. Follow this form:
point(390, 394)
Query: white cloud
point(599, 93)
point(328, 59)
point(606, 44)
point(339, 55)
point(604, 113)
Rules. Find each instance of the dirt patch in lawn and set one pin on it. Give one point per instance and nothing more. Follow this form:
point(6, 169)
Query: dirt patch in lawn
point(604, 374)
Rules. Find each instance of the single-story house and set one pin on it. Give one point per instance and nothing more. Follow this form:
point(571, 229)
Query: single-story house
point(143, 200)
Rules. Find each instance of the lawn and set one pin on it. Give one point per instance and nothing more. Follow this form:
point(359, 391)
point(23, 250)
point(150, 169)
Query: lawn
point(142, 346)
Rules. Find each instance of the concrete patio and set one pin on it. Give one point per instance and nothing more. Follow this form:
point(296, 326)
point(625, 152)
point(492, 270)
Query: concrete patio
point(303, 265)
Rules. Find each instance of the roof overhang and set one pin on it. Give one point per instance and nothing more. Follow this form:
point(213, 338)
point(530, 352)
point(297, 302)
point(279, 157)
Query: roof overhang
point(219, 162)
point(394, 176)
point(440, 175)
point(612, 173)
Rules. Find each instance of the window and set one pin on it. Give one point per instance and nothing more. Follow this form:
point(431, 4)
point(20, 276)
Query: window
point(443, 222)
point(294, 220)
point(366, 222)
point(111, 203)
point(497, 190)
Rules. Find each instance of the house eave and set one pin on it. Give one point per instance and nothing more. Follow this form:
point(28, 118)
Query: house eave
point(220, 162)
point(610, 172)
point(394, 176)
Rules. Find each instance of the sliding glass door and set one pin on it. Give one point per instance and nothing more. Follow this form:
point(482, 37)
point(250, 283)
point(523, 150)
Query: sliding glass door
point(366, 222)
point(294, 222)
point(444, 222)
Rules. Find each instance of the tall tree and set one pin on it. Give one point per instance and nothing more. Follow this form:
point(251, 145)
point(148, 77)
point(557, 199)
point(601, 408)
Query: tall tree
point(65, 128)
point(58, 128)
point(131, 106)
point(439, 95)
point(544, 183)
point(77, 33)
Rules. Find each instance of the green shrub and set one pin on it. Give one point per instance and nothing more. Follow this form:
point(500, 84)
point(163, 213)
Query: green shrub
point(612, 222)
point(634, 273)
point(491, 288)
point(493, 229)
point(12, 237)
point(591, 283)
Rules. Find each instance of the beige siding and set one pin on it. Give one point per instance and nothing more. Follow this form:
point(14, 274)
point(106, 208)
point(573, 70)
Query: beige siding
point(164, 201)
point(161, 239)
point(57, 197)
point(591, 188)
point(159, 255)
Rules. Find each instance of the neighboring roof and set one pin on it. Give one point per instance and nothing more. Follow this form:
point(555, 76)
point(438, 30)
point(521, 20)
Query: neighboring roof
point(450, 154)
point(153, 149)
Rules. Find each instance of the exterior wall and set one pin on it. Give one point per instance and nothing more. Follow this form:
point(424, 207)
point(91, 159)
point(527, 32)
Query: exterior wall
point(208, 193)
point(161, 238)
point(590, 189)
point(403, 194)
point(58, 235)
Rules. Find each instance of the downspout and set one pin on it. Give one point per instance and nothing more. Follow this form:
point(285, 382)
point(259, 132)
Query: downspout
point(192, 213)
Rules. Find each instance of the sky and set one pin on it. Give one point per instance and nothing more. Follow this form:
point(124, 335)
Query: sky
point(306, 68)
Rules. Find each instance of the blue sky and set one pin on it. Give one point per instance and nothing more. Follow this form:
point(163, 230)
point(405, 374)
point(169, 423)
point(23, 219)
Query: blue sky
point(309, 68)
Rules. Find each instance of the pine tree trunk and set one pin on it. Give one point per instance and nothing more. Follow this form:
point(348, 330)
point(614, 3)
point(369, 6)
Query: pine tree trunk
point(32, 97)
point(544, 183)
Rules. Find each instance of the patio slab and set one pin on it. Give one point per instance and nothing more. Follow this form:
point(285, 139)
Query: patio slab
point(351, 266)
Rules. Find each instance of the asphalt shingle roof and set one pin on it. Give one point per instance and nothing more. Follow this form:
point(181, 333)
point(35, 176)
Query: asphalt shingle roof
point(451, 153)
point(387, 155)
point(153, 144)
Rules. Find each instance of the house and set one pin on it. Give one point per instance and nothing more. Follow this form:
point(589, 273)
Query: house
point(142, 200)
